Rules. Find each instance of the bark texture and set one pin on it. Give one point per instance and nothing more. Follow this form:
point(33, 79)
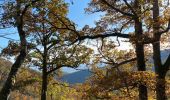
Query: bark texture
point(6, 89)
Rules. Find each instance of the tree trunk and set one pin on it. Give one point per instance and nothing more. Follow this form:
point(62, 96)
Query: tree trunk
point(44, 85)
point(160, 79)
point(6, 89)
point(51, 96)
point(14, 69)
point(141, 67)
point(140, 58)
point(4, 94)
point(161, 88)
point(44, 72)
point(159, 69)
point(140, 49)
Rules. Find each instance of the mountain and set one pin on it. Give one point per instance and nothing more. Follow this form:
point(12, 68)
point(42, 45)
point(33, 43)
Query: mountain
point(164, 54)
point(76, 77)
point(81, 76)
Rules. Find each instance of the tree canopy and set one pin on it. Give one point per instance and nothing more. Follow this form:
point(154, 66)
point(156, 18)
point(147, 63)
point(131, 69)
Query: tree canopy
point(50, 40)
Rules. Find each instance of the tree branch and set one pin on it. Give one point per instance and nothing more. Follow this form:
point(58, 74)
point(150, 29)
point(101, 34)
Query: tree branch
point(130, 7)
point(1, 36)
point(121, 63)
point(27, 6)
point(58, 67)
point(167, 29)
point(167, 64)
point(104, 36)
point(116, 9)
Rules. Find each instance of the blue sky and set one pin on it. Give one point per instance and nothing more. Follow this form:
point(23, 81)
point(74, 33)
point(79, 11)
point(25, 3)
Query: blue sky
point(76, 14)
point(9, 33)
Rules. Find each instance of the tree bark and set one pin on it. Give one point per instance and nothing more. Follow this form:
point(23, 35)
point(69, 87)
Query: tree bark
point(160, 79)
point(159, 69)
point(4, 94)
point(44, 85)
point(141, 67)
point(161, 88)
point(44, 72)
point(140, 51)
point(6, 89)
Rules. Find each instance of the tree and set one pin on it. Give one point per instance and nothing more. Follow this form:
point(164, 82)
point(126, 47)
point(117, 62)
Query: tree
point(22, 19)
point(13, 16)
point(61, 90)
point(24, 85)
point(160, 69)
point(119, 78)
point(140, 21)
point(135, 15)
point(52, 42)
point(123, 14)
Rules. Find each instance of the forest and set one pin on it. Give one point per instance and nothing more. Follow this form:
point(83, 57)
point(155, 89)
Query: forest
point(125, 55)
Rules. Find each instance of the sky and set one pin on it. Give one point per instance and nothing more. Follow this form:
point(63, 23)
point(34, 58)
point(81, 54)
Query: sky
point(80, 18)
point(76, 14)
point(7, 34)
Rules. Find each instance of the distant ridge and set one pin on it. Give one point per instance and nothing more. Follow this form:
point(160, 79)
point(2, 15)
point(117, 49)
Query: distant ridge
point(81, 76)
point(76, 77)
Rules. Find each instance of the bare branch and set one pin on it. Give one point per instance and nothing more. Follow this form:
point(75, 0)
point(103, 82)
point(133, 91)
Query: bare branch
point(2, 36)
point(121, 63)
point(167, 64)
point(116, 9)
point(104, 36)
point(58, 67)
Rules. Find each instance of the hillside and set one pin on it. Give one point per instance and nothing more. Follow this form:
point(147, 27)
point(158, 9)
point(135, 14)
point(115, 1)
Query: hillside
point(28, 85)
point(25, 87)
point(76, 77)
